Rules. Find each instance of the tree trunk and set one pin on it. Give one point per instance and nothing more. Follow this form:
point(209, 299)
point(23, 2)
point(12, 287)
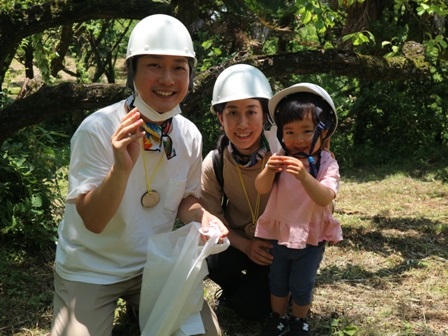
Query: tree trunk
point(54, 100)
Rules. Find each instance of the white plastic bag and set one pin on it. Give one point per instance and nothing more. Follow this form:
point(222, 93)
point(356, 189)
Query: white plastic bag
point(172, 286)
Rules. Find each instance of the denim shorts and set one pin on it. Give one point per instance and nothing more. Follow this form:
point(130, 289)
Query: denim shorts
point(294, 271)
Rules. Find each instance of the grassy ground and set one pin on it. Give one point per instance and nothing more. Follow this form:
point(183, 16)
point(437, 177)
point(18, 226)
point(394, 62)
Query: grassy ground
point(388, 277)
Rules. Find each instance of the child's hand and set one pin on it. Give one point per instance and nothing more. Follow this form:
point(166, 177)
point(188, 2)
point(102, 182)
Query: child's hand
point(275, 164)
point(295, 167)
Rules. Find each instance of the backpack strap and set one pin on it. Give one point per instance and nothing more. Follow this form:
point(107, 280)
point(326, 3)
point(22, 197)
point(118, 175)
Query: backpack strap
point(218, 167)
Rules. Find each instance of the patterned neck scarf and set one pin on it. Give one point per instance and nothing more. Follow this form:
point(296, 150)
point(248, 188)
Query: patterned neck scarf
point(252, 159)
point(157, 137)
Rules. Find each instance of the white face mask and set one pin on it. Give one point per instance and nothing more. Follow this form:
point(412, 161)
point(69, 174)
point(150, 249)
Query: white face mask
point(152, 114)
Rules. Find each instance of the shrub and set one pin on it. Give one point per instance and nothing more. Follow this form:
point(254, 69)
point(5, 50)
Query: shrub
point(30, 192)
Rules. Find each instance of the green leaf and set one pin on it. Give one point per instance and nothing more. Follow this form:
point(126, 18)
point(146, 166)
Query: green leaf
point(207, 44)
point(306, 17)
point(334, 323)
point(350, 330)
point(36, 201)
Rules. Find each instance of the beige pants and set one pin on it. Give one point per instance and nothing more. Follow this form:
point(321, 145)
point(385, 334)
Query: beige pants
point(81, 309)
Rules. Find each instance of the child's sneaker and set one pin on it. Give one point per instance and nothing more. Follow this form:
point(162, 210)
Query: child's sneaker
point(275, 325)
point(298, 327)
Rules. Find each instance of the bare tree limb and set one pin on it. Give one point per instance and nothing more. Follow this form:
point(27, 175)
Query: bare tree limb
point(61, 99)
point(69, 97)
point(38, 18)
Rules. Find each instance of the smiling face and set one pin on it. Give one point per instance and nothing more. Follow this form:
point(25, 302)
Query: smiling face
point(298, 135)
point(162, 81)
point(242, 121)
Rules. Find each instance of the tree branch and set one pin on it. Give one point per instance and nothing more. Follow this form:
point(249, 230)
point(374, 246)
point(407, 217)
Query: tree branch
point(333, 62)
point(69, 97)
point(38, 18)
point(51, 101)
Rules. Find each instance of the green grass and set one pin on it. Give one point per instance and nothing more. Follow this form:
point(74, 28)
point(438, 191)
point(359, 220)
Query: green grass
point(388, 277)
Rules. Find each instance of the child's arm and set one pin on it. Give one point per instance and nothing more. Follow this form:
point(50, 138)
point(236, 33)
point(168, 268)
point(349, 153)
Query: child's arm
point(320, 194)
point(264, 180)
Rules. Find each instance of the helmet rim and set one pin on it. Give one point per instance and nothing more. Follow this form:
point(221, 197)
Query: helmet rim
point(238, 82)
point(304, 87)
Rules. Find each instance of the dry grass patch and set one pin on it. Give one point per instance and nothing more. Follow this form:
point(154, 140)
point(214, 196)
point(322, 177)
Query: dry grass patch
point(388, 277)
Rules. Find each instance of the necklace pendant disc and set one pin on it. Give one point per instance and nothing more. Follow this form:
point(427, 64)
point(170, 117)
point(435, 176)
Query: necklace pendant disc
point(249, 229)
point(150, 199)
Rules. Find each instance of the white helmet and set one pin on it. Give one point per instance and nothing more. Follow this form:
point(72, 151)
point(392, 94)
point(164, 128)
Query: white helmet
point(160, 34)
point(240, 81)
point(332, 116)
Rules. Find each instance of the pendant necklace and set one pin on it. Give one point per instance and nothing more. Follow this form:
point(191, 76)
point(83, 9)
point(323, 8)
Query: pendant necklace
point(250, 228)
point(151, 197)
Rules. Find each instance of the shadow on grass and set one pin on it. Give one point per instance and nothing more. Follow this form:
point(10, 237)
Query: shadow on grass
point(428, 238)
point(419, 170)
point(333, 324)
point(26, 279)
point(26, 289)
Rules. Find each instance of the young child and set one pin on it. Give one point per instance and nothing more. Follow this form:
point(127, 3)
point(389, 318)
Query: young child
point(298, 219)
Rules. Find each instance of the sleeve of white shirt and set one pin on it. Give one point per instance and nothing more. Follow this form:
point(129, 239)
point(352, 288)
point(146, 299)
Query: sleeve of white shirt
point(91, 160)
point(193, 186)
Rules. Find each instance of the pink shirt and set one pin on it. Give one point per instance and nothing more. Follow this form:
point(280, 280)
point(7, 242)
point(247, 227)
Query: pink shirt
point(292, 218)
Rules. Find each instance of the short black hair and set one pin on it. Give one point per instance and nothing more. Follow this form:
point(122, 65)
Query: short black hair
point(299, 105)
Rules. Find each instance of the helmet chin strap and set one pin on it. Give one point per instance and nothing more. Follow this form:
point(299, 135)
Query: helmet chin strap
point(149, 112)
point(314, 166)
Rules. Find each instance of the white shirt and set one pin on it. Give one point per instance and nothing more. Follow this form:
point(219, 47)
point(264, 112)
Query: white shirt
point(119, 252)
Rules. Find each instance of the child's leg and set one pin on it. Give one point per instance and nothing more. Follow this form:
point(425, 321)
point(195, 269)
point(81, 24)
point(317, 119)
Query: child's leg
point(300, 311)
point(277, 321)
point(279, 304)
point(279, 279)
point(303, 276)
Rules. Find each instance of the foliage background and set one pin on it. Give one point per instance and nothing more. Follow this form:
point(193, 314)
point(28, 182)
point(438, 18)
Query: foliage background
point(380, 121)
point(399, 120)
